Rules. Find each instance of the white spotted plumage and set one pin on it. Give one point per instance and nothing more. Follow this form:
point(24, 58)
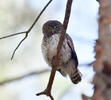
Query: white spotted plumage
point(49, 48)
point(67, 60)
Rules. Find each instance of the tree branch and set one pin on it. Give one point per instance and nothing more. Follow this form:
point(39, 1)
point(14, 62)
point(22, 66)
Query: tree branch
point(47, 91)
point(12, 35)
point(30, 74)
point(55, 65)
point(23, 76)
point(26, 32)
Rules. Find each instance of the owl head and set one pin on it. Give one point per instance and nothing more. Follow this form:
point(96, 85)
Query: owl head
point(51, 27)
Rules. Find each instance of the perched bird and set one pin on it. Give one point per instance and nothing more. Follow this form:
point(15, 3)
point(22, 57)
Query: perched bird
point(67, 59)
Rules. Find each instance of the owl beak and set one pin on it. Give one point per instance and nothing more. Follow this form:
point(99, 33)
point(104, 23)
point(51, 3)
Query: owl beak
point(53, 31)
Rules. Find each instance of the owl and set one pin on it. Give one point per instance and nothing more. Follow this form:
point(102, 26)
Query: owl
point(67, 59)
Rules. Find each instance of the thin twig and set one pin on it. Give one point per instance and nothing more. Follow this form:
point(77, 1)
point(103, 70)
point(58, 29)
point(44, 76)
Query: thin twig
point(39, 15)
point(64, 28)
point(54, 67)
point(12, 35)
point(26, 32)
point(47, 91)
point(19, 45)
point(23, 76)
point(30, 74)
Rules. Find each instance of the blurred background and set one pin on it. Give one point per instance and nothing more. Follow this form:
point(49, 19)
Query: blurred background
point(17, 16)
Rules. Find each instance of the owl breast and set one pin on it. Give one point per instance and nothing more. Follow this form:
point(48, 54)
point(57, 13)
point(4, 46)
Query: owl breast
point(49, 49)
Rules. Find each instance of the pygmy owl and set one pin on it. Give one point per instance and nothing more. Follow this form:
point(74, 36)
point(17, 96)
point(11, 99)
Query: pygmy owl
point(67, 60)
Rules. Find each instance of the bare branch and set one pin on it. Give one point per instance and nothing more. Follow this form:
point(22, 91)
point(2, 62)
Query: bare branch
point(53, 72)
point(12, 35)
point(24, 76)
point(29, 74)
point(39, 15)
point(26, 32)
point(46, 92)
point(19, 45)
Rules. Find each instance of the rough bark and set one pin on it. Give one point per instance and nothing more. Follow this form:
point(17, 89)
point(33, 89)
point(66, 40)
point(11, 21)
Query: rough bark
point(102, 65)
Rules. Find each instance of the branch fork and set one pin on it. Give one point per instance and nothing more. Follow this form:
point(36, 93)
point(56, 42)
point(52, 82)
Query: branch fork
point(25, 32)
point(55, 65)
point(47, 91)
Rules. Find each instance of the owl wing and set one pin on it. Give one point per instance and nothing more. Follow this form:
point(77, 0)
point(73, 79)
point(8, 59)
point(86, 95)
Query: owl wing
point(71, 46)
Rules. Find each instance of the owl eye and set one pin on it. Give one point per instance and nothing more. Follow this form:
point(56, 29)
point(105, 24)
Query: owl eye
point(48, 28)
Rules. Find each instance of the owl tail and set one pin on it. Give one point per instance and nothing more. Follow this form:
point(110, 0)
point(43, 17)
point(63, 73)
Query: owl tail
point(75, 76)
point(72, 71)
